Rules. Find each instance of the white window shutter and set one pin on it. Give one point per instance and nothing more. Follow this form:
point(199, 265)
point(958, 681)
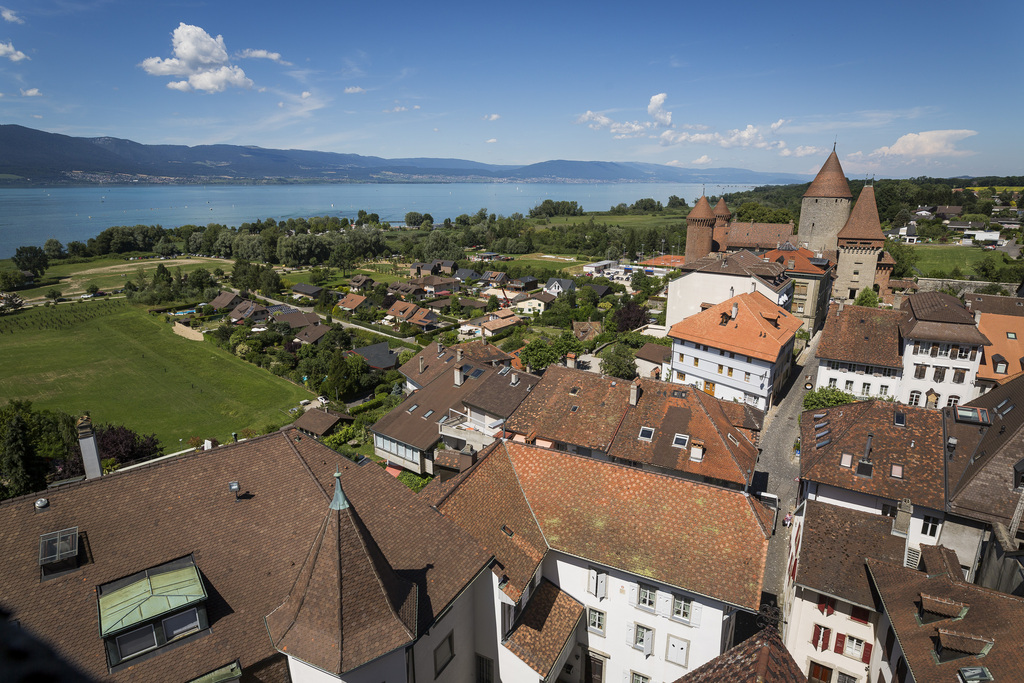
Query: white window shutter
point(602, 585)
point(695, 610)
point(633, 590)
point(664, 604)
point(648, 642)
point(592, 581)
point(629, 634)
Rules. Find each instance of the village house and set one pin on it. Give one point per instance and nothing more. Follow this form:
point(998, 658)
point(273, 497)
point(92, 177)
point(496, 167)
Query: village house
point(296, 320)
point(407, 312)
point(378, 356)
point(812, 274)
point(321, 422)
point(559, 286)
point(860, 351)
point(225, 300)
point(491, 324)
point(361, 283)
point(352, 302)
point(436, 359)
point(535, 304)
point(304, 291)
point(249, 310)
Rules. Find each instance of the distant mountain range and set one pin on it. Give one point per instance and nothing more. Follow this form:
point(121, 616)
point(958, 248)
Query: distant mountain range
point(34, 157)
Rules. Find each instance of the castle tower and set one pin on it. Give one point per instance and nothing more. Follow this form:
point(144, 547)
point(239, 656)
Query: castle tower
point(722, 214)
point(860, 245)
point(700, 224)
point(825, 207)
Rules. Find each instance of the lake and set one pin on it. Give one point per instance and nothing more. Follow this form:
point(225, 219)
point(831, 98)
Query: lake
point(31, 216)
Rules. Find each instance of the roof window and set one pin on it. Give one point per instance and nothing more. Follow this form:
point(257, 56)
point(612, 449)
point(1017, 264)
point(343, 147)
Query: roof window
point(574, 391)
point(59, 553)
point(414, 407)
point(646, 433)
point(681, 440)
point(975, 415)
point(896, 471)
point(574, 409)
point(899, 419)
point(846, 460)
point(427, 414)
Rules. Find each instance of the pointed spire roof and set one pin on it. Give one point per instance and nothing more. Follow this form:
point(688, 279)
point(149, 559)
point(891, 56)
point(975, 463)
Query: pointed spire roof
point(347, 605)
point(701, 210)
point(721, 209)
point(830, 181)
point(863, 223)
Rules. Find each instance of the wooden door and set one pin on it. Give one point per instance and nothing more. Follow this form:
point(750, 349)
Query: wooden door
point(709, 387)
point(819, 674)
point(593, 669)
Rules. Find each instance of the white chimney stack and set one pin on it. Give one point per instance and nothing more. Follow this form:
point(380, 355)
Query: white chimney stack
point(90, 450)
point(458, 355)
point(421, 365)
point(634, 393)
point(515, 379)
point(735, 310)
point(458, 376)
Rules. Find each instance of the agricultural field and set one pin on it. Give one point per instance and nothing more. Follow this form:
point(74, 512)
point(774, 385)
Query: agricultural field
point(936, 257)
point(658, 220)
point(127, 367)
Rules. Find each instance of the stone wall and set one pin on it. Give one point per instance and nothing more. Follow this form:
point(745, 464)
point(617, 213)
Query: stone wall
point(821, 219)
point(187, 332)
point(934, 284)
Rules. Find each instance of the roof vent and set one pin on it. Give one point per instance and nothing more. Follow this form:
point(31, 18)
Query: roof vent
point(974, 674)
point(42, 504)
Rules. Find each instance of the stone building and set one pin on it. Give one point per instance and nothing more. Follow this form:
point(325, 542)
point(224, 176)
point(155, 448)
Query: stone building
point(862, 262)
point(825, 207)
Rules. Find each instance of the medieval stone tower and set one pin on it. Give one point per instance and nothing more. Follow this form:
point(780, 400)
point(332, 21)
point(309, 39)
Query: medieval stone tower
point(862, 263)
point(700, 224)
point(825, 207)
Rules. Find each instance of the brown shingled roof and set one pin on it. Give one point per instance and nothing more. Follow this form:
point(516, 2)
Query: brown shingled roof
point(857, 334)
point(701, 210)
point(830, 181)
point(545, 626)
point(434, 363)
point(721, 209)
point(863, 223)
point(762, 658)
point(756, 235)
point(318, 422)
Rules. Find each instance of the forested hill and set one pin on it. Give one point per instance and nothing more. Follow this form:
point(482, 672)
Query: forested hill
point(34, 157)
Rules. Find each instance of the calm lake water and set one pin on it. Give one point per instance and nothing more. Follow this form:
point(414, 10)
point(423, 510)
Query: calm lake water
point(31, 216)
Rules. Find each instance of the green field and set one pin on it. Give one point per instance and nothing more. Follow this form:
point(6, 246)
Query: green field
point(127, 367)
point(935, 257)
point(657, 220)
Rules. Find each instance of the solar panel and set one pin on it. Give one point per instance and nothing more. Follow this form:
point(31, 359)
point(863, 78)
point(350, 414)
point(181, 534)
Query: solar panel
point(58, 545)
point(476, 374)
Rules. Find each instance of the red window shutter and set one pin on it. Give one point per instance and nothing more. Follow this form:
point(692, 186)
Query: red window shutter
point(826, 633)
point(859, 614)
point(816, 638)
point(830, 604)
point(840, 642)
point(822, 603)
point(867, 653)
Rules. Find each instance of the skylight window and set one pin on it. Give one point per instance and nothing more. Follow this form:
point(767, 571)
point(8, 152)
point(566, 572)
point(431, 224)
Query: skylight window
point(646, 433)
point(414, 407)
point(1011, 335)
point(476, 374)
point(681, 440)
point(900, 419)
point(57, 546)
point(846, 460)
point(896, 472)
point(427, 414)
point(975, 415)
point(574, 409)
point(574, 391)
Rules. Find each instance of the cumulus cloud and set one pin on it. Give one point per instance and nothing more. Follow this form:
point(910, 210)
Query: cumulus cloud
point(779, 124)
point(802, 151)
point(619, 129)
point(31, 92)
point(201, 59)
point(929, 143)
point(354, 90)
point(11, 16)
point(750, 137)
point(306, 94)
point(656, 110)
point(492, 141)
point(7, 50)
point(396, 109)
point(263, 54)
point(702, 160)
point(492, 117)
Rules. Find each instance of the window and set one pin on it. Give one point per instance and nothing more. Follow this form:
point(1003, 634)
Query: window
point(865, 389)
point(136, 642)
point(952, 401)
point(484, 669)
point(930, 526)
point(181, 624)
point(680, 440)
point(646, 433)
point(427, 414)
point(1011, 335)
point(846, 460)
point(678, 650)
point(965, 352)
point(634, 677)
point(414, 407)
point(695, 361)
point(854, 647)
point(597, 582)
point(820, 637)
point(940, 375)
point(508, 618)
point(682, 357)
point(1000, 367)
point(646, 597)
point(826, 605)
point(681, 608)
point(959, 375)
point(919, 371)
point(896, 471)
point(888, 510)
point(595, 621)
point(849, 386)
point(934, 351)
point(819, 673)
point(729, 372)
point(915, 398)
point(746, 376)
point(883, 390)
point(859, 614)
point(832, 382)
point(643, 639)
point(444, 653)
point(680, 376)
point(845, 678)
point(721, 368)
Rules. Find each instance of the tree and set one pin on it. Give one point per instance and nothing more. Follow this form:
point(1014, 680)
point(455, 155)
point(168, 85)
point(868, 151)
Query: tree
point(54, 249)
point(566, 344)
point(867, 297)
point(826, 397)
point(16, 460)
point(11, 279)
point(619, 361)
point(32, 259)
point(414, 219)
point(54, 294)
point(629, 316)
point(492, 303)
point(92, 288)
point(538, 354)
point(906, 258)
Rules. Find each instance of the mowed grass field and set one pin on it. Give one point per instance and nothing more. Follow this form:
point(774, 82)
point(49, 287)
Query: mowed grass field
point(935, 257)
point(126, 367)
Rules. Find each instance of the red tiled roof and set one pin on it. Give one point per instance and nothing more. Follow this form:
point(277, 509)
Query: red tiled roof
point(435, 363)
point(721, 209)
point(998, 328)
point(762, 658)
point(755, 235)
point(857, 334)
point(760, 329)
point(830, 181)
point(544, 627)
point(801, 258)
point(701, 210)
point(351, 301)
point(863, 223)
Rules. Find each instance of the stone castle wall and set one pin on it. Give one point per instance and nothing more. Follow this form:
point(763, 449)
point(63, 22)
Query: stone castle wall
point(821, 219)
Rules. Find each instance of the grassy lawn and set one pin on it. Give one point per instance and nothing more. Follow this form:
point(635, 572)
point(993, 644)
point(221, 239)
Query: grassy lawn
point(943, 257)
point(623, 220)
point(127, 367)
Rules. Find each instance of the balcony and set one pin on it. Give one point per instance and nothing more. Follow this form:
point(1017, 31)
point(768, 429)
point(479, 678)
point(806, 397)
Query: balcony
point(459, 431)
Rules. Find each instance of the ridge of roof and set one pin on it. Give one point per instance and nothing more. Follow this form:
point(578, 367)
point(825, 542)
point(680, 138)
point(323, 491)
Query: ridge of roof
point(863, 223)
point(830, 181)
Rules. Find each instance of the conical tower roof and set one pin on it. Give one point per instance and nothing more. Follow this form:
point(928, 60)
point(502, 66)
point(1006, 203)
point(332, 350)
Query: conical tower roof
point(347, 605)
point(701, 210)
point(863, 223)
point(721, 209)
point(830, 181)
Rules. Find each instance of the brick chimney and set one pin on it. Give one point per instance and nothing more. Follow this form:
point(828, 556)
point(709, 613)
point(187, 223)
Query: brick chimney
point(90, 450)
point(458, 355)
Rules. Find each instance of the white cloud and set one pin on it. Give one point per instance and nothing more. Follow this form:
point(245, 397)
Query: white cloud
point(11, 16)
point(397, 109)
point(262, 54)
point(416, 106)
point(492, 117)
point(929, 143)
point(354, 90)
point(801, 151)
point(702, 160)
point(492, 141)
point(655, 109)
point(7, 50)
point(779, 124)
point(619, 129)
point(201, 59)
point(306, 94)
point(31, 92)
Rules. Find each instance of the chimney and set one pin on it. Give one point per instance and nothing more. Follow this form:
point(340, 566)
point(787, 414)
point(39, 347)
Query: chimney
point(90, 451)
point(791, 264)
point(421, 364)
point(634, 393)
point(458, 355)
point(735, 309)
point(696, 450)
point(570, 360)
point(458, 376)
point(440, 348)
point(967, 304)
point(977, 317)
point(515, 379)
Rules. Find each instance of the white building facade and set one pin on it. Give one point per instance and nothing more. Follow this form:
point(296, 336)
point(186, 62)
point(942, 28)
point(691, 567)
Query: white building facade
point(728, 375)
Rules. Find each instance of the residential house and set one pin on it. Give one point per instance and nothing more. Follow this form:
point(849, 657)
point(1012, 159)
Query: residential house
point(812, 274)
point(943, 346)
point(446, 267)
point(711, 280)
point(559, 286)
point(249, 310)
point(601, 290)
point(524, 283)
point(466, 274)
point(436, 359)
point(304, 291)
point(587, 330)
point(741, 349)
point(379, 356)
point(491, 324)
point(225, 300)
point(407, 312)
point(421, 269)
point(321, 422)
point(570, 598)
point(407, 291)
point(313, 334)
point(495, 278)
point(352, 302)
point(435, 285)
point(535, 304)
point(361, 283)
point(860, 351)
point(653, 360)
point(296, 320)
point(906, 234)
point(762, 658)
point(406, 437)
point(947, 212)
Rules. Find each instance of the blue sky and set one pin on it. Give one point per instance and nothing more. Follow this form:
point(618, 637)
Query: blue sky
point(905, 88)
